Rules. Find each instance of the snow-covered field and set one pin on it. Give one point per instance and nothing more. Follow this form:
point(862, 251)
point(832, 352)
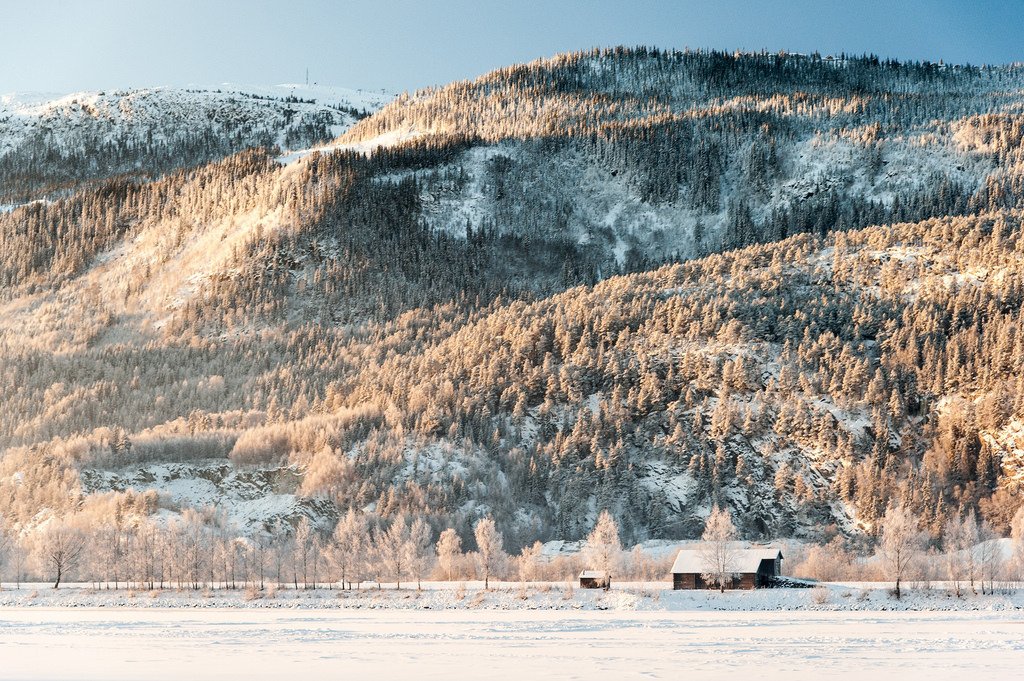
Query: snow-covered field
point(558, 596)
point(393, 644)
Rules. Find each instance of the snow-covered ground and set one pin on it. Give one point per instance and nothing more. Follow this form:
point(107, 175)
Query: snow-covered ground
point(284, 644)
point(507, 596)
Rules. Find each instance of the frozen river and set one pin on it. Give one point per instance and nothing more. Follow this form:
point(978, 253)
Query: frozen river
point(151, 644)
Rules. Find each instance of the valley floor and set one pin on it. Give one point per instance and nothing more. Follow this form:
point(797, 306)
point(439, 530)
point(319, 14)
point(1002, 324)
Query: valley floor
point(165, 643)
point(557, 596)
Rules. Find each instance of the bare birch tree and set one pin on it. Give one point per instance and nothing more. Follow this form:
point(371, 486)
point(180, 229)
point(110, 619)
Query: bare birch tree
point(260, 557)
point(301, 552)
point(61, 547)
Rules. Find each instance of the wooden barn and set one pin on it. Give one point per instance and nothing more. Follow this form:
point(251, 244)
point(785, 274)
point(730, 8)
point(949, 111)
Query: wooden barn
point(753, 568)
point(595, 579)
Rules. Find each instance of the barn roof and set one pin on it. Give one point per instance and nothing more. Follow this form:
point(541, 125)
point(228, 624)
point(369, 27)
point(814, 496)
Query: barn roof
point(592, 574)
point(747, 559)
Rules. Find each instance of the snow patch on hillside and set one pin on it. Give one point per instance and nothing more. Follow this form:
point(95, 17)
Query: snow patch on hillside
point(249, 498)
point(366, 147)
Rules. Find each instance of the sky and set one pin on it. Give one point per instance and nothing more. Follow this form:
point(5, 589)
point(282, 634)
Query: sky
point(395, 45)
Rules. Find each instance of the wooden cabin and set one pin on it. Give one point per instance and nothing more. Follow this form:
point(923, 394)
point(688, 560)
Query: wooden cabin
point(753, 568)
point(595, 579)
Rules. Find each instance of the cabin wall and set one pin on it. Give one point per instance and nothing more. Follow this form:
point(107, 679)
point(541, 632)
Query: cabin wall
point(684, 580)
point(689, 580)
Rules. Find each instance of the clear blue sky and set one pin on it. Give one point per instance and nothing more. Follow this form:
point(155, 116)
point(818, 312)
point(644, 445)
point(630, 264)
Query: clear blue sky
point(65, 45)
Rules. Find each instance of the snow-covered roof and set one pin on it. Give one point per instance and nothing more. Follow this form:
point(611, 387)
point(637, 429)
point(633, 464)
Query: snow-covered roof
point(592, 574)
point(745, 559)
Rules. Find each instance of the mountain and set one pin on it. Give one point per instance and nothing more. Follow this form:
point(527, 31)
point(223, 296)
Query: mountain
point(642, 280)
point(49, 143)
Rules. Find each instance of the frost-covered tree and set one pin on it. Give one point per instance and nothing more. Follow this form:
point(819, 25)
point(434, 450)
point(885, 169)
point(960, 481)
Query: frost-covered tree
point(901, 543)
point(529, 562)
point(490, 549)
point(718, 549)
point(393, 548)
point(419, 550)
point(189, 549)
point(260, 556)
point(989, 557)
point(959, 537)
point(449, 551)
point(302, 552)
point(603, 547)
point(348, 542)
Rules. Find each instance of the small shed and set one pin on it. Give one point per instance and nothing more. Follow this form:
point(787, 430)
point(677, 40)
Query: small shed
point(595, 579)
point(752, 568)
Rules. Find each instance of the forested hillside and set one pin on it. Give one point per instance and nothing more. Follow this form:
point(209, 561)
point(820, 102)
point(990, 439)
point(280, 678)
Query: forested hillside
point(642, 281)
point(647, 155)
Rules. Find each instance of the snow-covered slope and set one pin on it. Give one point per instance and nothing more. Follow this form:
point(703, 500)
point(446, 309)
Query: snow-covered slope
point(248, 499)
point(50, 141)
point(165, 112)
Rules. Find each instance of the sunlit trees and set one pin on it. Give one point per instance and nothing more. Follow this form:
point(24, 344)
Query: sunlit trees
point(827, 563)
point(529, 562)
point(260, 553)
